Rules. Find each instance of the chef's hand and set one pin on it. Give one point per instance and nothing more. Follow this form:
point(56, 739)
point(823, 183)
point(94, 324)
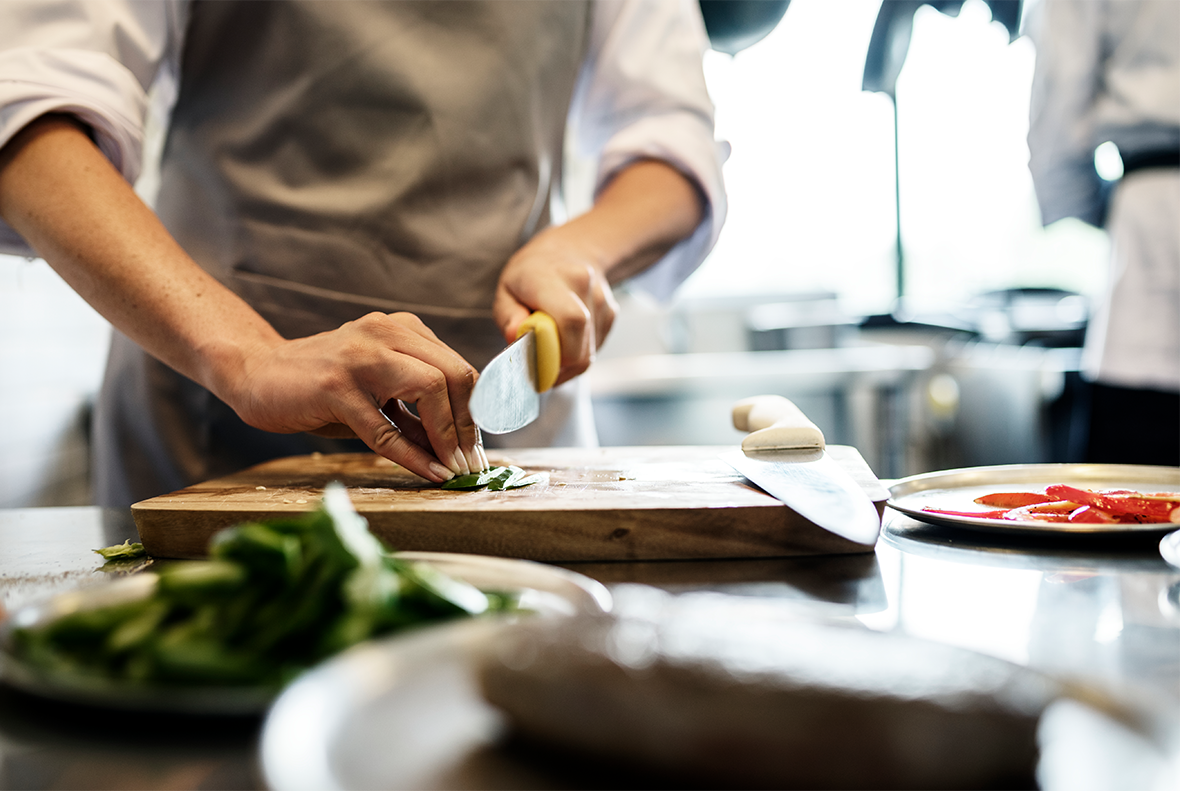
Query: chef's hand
point(356, 381)
point(567, 270)
point(62, 195)
point(561, 273)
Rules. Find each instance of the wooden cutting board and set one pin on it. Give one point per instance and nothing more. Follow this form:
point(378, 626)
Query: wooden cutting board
point(638, 503)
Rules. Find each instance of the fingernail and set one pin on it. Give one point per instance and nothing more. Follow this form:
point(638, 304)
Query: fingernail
point(441, 471)
point(461, 465)
point(473, 460)
point(483, 458)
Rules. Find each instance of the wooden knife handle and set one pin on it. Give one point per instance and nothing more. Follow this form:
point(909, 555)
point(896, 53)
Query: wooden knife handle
point(548, 346)
point(775, 423)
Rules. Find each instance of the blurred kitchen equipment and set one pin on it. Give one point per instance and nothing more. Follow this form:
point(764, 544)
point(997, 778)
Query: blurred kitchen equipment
point(886, 55)
point(799, 321)
point(733, 25)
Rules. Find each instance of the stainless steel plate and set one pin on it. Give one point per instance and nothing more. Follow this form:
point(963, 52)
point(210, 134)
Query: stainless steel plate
point(955, 490)
point(543, 589)
point(408, 713)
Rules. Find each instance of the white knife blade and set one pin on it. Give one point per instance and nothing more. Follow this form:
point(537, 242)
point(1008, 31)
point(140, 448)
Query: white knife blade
point(505, 397)
point(784, 455)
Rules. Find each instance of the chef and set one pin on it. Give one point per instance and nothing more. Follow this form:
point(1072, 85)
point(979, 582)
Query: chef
point(358, 204)
point(1110, 71)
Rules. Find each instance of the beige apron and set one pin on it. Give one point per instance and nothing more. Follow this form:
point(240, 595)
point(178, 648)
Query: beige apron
point(329, 159)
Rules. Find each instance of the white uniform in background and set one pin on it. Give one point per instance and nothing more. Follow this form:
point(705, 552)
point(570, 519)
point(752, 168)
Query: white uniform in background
point(1109, 70)
point(327, 159)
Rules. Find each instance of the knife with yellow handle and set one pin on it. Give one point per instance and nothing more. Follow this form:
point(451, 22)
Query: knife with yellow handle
point(507, 394)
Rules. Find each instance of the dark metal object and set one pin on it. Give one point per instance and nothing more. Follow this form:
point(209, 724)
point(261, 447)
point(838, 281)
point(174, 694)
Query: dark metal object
point(888, 47)
point(890, 41)
point(734, 25)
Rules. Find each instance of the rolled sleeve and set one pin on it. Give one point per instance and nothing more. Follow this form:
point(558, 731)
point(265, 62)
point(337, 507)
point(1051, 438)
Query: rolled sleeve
point(643, 96)
point(95, 61)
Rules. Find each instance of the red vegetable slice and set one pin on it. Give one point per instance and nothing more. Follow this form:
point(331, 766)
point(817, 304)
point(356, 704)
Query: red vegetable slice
point(1120, 502)
point(973, 514)
point(1063, 503)
point(1056, 511)
point(1088, 514)
point(1013, 499)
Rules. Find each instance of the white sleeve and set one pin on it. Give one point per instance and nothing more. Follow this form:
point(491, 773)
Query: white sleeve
point(1066, 82)
point(94, 60)
point(642, 95)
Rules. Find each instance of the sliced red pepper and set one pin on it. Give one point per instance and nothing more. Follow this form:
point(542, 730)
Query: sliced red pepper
point(1150, 508)
point(1013, 499)
point(973, 514)
point(1056, 511)
point(1088, 514)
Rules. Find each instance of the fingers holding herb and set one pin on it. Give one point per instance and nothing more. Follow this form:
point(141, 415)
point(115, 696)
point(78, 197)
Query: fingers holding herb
point(494, 479)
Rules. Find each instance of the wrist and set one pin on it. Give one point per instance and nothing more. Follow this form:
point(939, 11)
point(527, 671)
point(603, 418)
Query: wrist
point(226, 364)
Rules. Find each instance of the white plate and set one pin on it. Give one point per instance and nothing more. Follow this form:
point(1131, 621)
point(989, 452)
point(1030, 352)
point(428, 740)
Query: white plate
point(955, 490)
point(543, 589)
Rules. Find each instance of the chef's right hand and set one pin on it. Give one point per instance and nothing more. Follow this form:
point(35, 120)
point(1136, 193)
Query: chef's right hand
point(62, 195)
point(356, 381)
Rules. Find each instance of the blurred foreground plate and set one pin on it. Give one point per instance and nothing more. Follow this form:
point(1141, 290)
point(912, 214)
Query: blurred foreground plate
point(407, 713)
point(956, 490)
point(546, 590)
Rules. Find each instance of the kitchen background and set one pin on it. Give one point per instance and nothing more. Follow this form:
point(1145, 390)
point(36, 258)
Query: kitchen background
point(973, 364)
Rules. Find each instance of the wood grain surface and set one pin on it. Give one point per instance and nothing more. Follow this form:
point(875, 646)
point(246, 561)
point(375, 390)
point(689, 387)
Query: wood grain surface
point(598, 504)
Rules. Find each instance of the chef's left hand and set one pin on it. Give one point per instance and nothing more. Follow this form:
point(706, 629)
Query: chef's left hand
point(560, 273)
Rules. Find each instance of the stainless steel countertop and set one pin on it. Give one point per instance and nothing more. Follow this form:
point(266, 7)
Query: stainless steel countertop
point(1089, 607)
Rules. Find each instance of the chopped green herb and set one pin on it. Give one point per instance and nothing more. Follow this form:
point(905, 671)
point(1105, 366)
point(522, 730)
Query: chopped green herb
point(124, 551)
point(495, 479)
point(475, 480)
point(505, 479)
point(528, 480)
point(273, 599)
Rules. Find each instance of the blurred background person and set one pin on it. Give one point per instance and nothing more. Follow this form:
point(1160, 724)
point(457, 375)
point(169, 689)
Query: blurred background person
point(1109, 71)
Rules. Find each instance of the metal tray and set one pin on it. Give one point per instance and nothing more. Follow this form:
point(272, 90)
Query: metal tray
point(408, 714)
point(545, 590)
point(956, 489)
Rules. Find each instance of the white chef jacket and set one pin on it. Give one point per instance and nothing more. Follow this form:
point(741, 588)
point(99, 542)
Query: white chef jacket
point(640, 93)
point(1109, 70)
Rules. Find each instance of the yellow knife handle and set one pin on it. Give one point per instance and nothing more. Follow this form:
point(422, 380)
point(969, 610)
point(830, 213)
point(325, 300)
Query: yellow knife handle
point(548, 347)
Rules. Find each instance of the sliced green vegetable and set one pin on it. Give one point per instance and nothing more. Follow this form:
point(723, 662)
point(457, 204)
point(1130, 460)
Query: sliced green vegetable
point(506, 479)
point(496, 479)
point(475, 480)
point(124, 551)
point(273, 599)
point(196, 581)
point(527, 480)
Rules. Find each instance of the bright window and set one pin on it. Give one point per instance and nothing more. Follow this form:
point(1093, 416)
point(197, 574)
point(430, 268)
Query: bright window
point(812, 177)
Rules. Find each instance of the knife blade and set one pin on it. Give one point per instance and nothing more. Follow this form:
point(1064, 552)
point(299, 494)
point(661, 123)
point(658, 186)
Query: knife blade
point(785, 456)
point(506, 396)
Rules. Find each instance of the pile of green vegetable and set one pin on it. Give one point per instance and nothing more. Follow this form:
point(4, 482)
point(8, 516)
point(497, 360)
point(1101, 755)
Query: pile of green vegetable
point(494, 479)
point(273, 599)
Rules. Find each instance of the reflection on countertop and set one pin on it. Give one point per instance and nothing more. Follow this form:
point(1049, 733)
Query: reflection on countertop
point(1089, 608)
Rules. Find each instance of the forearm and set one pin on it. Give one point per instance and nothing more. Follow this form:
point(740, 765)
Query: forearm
point(641, 214)
point(60, 193)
